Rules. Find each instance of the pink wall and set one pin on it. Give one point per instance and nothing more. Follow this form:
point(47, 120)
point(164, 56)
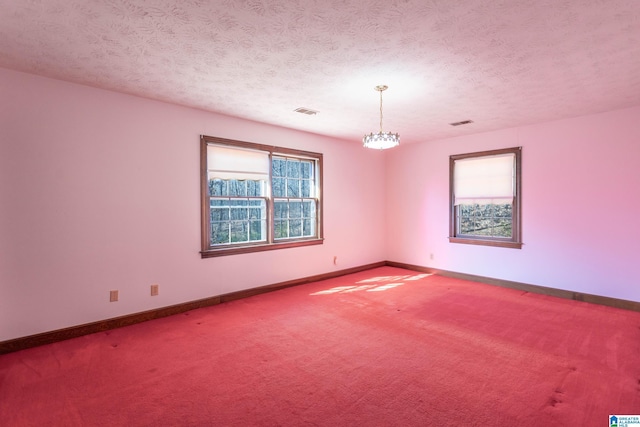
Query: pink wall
point(581, 210)
point(100, 191)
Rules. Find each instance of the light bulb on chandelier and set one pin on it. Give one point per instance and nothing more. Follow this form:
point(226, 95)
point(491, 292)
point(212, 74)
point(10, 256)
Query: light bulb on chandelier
point(381, 140)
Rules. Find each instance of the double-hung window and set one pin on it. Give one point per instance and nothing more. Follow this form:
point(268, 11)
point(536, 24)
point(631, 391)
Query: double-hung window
point(485, 198)
point(257, 197)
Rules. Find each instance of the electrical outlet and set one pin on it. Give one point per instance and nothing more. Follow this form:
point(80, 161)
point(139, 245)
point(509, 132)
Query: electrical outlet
point(113, 296)
point(154, 290)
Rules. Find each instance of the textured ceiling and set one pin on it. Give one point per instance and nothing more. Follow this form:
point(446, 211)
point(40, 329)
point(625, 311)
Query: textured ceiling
point(498, 63)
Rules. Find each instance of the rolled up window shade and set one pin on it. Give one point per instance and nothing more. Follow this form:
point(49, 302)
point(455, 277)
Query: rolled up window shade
point(484, 180)
point(237, 163)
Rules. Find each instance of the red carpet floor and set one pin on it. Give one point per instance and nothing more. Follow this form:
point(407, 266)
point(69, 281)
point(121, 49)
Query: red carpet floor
point(385, 347)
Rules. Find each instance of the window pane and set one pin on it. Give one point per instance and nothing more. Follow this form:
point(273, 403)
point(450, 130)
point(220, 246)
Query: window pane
point(466, 210)
point(293, 168)
point(309, 209)
point(237, 220)
point(219, 233)
point(255, 213)
point(281, 209)
point(487, 220)
point(239, 214)
point(218, 187)
point(502, 228)
point(280, 229)
point(257, 209)
point(483, 227)
point(305, 188)
point(279, 187)
point(219, 210)
point(308, 228)
point(256, 230)
point(295, 228)
point(466, 225)
point(279, 167)
point(306, 170)
point(254, 188)
point(293, 188)
point(239, 231)
point(295, 209)
point(219, 214)
point(503, 211)
point(237, 187)
point(484, 210)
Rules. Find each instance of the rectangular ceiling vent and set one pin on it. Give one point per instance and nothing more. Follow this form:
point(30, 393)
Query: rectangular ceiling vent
point(464, 122)
point(306, 111)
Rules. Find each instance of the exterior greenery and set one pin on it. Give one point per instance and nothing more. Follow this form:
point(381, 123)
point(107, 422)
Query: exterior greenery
point(489, 220)
point(257, 197)
point(237, 211)
point(238, 208)
point(293, 191)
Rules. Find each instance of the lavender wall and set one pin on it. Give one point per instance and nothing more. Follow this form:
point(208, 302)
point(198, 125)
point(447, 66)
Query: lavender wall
point(581, 208)
point(100, 191)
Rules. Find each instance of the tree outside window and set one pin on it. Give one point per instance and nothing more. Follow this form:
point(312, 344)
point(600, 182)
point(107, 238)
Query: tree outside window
point(257, 197)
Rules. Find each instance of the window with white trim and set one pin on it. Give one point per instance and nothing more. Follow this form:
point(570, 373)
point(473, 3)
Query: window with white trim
point(257, 197)
point(485, 198)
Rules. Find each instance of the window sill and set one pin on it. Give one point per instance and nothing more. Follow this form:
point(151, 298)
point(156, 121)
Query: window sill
point(483, 242)
point(211, 253)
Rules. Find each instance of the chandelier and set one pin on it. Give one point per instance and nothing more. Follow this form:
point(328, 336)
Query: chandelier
point(381, 140)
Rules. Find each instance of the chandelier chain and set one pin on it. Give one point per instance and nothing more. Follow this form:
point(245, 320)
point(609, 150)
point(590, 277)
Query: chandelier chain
point(380, 111)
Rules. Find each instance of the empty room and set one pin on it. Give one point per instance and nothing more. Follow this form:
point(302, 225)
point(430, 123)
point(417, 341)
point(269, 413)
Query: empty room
point(319, 213)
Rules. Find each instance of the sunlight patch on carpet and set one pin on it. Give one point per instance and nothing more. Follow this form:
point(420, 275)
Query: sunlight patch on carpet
point(377, 284)
point(395, 278)
point(351, 289)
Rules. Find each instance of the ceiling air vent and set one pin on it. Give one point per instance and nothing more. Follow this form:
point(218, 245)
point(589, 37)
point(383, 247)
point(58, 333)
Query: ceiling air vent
point(306, 111)
point(464, 122)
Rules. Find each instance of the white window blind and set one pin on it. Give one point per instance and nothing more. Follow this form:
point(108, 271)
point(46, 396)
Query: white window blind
point(237, 163)
point(484, 180)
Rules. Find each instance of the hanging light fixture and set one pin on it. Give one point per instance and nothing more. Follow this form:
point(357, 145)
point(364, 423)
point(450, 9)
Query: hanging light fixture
point(381, 140)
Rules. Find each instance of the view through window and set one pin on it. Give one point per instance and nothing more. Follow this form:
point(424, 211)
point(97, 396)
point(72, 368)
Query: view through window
point(257, 197)
point(485, 198)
